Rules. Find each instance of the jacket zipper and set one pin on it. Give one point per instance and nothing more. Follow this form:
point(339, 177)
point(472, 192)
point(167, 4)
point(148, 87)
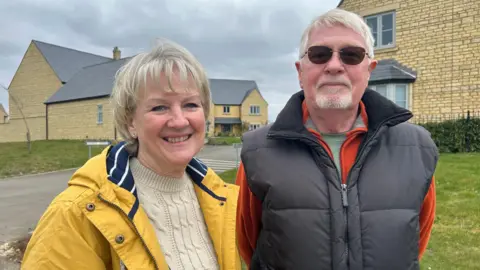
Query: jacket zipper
point(134, 226)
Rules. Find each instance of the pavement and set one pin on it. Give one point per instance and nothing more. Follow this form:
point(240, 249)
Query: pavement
point(24, 199)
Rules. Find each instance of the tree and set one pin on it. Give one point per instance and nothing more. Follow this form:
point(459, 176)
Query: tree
point(17, 105)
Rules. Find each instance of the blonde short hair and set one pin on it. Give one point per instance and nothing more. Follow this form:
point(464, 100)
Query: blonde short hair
point(167, 58)
point(342, 17)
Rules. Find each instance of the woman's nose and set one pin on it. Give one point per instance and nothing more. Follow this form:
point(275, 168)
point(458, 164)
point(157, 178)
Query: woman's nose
point(178, 119)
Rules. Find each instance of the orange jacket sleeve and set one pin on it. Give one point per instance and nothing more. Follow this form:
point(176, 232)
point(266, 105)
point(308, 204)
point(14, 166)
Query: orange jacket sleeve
point(249, 212)
point(427, 217)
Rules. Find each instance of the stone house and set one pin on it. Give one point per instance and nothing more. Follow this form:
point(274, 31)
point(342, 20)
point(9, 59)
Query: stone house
point(64, 94)
point(429, 53)
point(3, 115)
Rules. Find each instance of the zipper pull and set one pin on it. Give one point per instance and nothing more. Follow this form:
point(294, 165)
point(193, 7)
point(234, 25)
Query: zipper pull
point(344, 195)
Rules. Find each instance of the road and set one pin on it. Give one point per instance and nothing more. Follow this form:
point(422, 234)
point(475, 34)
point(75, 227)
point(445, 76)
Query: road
point(24, 199)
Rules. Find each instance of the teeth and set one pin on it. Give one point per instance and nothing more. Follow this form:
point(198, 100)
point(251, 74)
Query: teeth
point(177, 139)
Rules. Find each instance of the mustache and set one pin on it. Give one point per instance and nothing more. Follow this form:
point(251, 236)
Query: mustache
point(334, 81)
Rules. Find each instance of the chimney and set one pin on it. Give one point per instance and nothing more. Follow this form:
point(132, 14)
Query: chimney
point(117, 54)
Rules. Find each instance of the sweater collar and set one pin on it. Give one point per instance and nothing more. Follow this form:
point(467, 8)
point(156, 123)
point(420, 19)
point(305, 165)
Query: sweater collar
point(119, 173)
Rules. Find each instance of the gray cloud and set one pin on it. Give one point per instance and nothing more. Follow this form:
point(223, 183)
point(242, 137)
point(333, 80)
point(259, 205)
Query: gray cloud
point(249, 39)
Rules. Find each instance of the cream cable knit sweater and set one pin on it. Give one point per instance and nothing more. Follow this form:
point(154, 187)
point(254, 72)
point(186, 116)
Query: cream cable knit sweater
point(173, 209)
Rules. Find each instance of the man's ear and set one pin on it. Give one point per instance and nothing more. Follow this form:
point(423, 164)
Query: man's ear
point(372, 65)
point(299, 73)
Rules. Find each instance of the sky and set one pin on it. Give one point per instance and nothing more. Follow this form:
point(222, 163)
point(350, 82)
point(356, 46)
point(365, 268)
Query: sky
point(233, 39)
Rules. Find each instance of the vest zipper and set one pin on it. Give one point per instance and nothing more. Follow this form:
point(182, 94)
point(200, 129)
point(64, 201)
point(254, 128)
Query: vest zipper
point(343, 187)
point(134, 226)
point(345, 216)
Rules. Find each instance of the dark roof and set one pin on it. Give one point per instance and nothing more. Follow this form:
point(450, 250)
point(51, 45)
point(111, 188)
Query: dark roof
point(97, 81)
point(227, 120)
point(91, 82)
point(87, 75)
point(389, 70)
point(65, 61)
point(231, 92)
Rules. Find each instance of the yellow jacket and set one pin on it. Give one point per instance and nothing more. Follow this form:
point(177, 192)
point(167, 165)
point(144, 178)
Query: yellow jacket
point(97, 222)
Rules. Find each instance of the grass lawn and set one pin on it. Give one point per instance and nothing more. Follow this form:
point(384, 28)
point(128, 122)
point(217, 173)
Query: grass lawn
point(45, 156)
point(224, 140)
point(455, 240)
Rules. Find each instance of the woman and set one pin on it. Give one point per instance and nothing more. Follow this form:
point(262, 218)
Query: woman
point(145, 203)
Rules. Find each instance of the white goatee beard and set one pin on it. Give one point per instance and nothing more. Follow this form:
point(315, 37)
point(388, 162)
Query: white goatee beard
point(334, 99)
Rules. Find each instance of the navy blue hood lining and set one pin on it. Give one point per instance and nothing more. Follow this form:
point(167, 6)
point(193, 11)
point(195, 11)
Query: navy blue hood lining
point(119, 173)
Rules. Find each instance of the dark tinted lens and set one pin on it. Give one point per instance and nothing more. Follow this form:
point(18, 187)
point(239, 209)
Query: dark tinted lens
point(319, 54)
point(352, 55)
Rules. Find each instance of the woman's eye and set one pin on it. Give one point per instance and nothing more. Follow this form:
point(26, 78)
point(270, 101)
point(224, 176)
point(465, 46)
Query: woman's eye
point(192, 105)
point(159, 108)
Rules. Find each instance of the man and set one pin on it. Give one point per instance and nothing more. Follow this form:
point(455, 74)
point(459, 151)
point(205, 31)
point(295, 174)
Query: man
point(341, 180)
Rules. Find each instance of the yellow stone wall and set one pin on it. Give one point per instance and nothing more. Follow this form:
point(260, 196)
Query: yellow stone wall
point(16, 131)
point(34, 82)
point(440, 39)
point(234, 111)
point(254, 98)
point(78, 120)
point(2, 116)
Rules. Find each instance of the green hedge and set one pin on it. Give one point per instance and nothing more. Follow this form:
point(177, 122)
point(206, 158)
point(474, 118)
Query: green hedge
point(454, 136)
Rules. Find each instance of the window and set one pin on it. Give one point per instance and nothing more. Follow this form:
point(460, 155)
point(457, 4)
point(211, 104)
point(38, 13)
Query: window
point(226, 109)
point(383, 29)
point(397, 93)
point(253, 126)
point(254, 109)
point(100, 114)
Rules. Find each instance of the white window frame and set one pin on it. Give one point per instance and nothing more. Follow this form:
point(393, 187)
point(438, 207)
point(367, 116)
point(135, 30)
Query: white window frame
point(99, 114)
point(391, 95)
point(379, 17)
point(226, 109)
point(253, 110)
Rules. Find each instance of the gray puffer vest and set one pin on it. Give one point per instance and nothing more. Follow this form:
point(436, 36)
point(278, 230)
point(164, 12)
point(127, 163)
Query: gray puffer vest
point(311, 221)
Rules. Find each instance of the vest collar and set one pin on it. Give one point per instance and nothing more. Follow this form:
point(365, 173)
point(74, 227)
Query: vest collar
point(380, 111)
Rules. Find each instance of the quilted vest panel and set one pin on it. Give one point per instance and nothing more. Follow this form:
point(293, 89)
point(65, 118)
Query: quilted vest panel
point(309, 223)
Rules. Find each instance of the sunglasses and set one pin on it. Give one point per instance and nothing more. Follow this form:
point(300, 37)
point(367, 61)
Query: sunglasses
point(350, 55)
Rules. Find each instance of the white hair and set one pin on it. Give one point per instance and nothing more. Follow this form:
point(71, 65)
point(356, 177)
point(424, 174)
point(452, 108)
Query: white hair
point(166, 58)
point(342, 17)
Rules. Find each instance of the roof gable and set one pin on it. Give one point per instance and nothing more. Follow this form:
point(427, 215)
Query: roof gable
point(229, 91)
point(65, 61)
